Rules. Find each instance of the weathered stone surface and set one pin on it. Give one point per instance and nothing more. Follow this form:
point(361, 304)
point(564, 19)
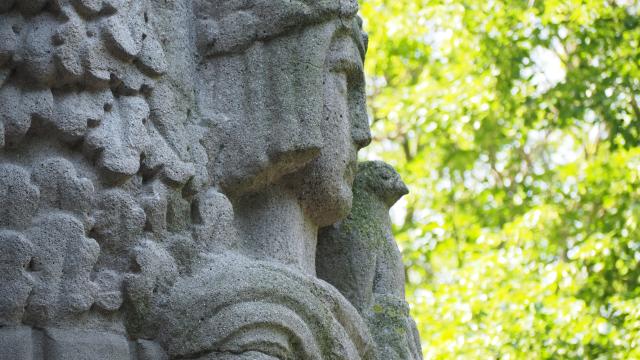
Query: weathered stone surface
point(16, 343)
point(359, 256)
point(149, 350)
point(63, 344)
point(17, 283)
point(164, 169)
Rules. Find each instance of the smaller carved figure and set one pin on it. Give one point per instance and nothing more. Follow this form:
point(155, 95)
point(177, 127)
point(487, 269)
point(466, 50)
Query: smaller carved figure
point(359, 256)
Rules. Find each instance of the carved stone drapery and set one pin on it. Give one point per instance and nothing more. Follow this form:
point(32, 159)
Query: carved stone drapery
point(165, 168)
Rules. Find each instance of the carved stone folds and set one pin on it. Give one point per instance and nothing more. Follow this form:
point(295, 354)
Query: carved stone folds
point(165, 168)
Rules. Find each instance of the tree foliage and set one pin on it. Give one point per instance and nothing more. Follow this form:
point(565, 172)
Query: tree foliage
point(517, 126)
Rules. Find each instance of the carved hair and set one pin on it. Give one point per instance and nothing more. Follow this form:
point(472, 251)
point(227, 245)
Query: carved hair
point(233, 25)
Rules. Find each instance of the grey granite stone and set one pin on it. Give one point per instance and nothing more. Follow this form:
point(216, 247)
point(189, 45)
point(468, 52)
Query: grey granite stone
point(165, 167)
point(63, 344)
point(359, 256)
point(16, 343)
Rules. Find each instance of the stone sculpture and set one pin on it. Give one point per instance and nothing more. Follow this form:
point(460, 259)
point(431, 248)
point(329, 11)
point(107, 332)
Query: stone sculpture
point(164, 169)
point(359, 256)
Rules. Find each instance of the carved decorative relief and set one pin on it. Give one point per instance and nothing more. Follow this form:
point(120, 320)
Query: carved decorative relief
point(165, 168)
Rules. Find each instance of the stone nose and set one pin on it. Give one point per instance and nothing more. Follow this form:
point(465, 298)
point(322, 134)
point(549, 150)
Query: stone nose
point(360, 132)
point(361, 136)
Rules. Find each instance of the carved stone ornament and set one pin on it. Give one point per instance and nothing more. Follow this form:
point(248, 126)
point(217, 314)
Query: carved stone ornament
point(177, 182)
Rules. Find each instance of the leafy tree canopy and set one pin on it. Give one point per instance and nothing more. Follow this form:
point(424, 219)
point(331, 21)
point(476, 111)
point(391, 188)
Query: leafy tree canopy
point(517, 126)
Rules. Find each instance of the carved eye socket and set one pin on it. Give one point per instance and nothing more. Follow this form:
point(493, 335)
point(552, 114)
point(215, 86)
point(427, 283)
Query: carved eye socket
point(352, 72)
point(386, 175)
point(342, 83)
point(345, 57)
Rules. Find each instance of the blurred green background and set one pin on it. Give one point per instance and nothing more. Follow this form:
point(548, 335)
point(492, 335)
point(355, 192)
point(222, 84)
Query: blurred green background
point(516, 125)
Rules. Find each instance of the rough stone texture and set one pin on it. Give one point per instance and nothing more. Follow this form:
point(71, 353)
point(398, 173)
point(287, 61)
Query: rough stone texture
point(359, 256)
point(61, 344)
point(164, 169)
point(16, 343)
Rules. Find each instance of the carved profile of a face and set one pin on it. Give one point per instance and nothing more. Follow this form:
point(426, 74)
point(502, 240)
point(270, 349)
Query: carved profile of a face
point(287, 96)
point(287, 109)
point(324, 186)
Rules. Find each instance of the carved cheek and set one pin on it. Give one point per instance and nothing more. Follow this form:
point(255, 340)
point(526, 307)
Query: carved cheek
point(338, 151)
point(336, 108)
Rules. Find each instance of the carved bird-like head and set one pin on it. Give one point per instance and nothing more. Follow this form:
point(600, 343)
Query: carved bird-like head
point(382, 180)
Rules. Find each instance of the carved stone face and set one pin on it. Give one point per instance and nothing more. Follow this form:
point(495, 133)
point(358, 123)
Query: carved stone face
point(262, 94)
point(135, 132)
point(324, 185)
point(252, 306)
